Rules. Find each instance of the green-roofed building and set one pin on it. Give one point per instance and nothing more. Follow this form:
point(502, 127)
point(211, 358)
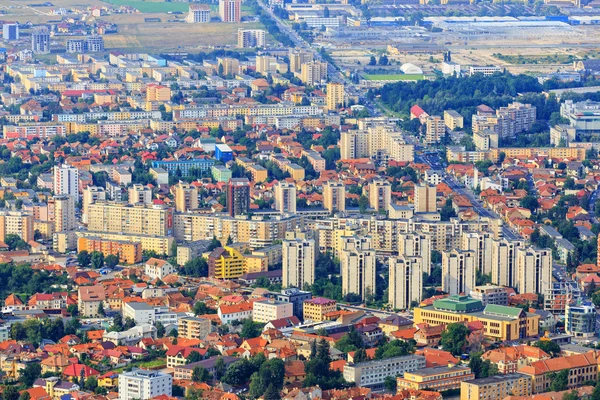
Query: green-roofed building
point(497, 322)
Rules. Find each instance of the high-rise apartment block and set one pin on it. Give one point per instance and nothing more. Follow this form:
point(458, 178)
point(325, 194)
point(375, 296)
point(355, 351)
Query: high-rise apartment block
point(139, 194)
point(230, 10)
point(186, 197)
point(335, 96)
point(425, 198)
point(380, 194)
point(10, 32)
point(66, 180)
point(299, 57)
point(198, 13)
point(313, 72)
point(405, 281)
point(238, 196)
point(40, 40)
point(16, 223)
point(435, 129)
point(250, 38)
point(534, 270)
point(298, 262)
point(504, 261)
point(334, 196)
point(62, 207)
point(91, 194)
point(416, 245)
point(458, 271)
point(141, 384)
point(357, 262)
point(285, 197)
point(481, 244)
point(111, 217)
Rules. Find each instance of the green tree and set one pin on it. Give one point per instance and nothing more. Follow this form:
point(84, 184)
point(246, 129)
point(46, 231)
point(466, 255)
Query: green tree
point(360, 355)
point(549, 347)
point(257, 386)
point(271, 393)
point(84, 259)
point(220, 368)
point(250, 329)
point(10, 392)
point(200, 374)
point(351, 341)
point(111, 260)
point(482, 368)
point(572, 395)
point(390, 383)
point(559, 381)
point(30, 373)
point(160, 329)
point(91, 383)
point(197, 267)
point(193, 357)
point(25, 396)
point(363, 203)
point(454, 338)
point(529, 202)
point(97, 259)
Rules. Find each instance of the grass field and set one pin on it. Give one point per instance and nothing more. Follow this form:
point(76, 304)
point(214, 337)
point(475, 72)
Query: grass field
point(394, 77)
point(151, 6)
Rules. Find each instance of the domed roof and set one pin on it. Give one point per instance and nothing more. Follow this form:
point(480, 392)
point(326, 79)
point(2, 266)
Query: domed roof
point(409, 68)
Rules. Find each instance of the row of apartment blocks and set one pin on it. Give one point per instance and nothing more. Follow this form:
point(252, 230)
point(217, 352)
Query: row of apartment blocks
point(459, 154)
point(382, 142)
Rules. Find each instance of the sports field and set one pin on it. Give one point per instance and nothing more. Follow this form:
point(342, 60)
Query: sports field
point(394, 77)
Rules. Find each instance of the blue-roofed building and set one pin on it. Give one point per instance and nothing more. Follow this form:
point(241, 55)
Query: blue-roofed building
point(202, 164)
point(223, 153)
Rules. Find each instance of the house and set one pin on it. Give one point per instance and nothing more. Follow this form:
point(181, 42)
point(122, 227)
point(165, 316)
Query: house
point(55, 364)
point(238, 312)
point(155, 268)
point(512, 358)
point(90, 300)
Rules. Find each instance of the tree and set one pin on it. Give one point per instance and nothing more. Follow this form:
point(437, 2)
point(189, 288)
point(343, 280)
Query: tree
point(271, 393)
point(257, 386)
point(193, 357)
point(373, 61)
point(250, 329)
point(572, 395)
point(549, 347)
point(30, 373)
point(596, 392)
point(454, 338)
point(101, 310)
point(390, 383)
point(326, 12)
point(351, 341)
point(91, 383)
point(360, 355)
point(25, 396)
point(529, 202)
point(363, 203)
point(97, 259)
point(111, 260)
point(214, 243)
point(220, 368)
point(559, 381)
point(10, 393)
point(83, 258)
point(200, 374)
point(160, 329)
point(481, 368)
point(197, 267)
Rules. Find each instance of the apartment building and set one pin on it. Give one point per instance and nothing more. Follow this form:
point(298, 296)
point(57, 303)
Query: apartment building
point(534, 270)
point(193, 327)
point(250, 38)
point(481, 244)
point(226, 263)
point(298, 262)
point(357, 262)
point(66, 180)
point(230, 10)
point(440, 378)
point(405, 281)
point(91, 194)
point(116, 217)
point(380, 194)
point(336, 96)
point(139, 194)
point(62, 208)
point(186, 197)
point(334, 196)
point(490, 294)
point(317, 308)
point(453, 120)
point(158, 244)
point(270, 310)
point(141, 384)
point(313, 73)
point(144, 313)
point(435, 129)
point(285, 197)
point(198, 13)
point(496, 387)
point(372, 374)
point(128, 252)
point(425, 198)
point(16, 223)
point(299, 57)
point(90, 299)
point(504, 261)
point(238, 196)
point(458, 271)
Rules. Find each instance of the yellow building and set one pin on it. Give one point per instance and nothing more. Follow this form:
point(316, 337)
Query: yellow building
point(158, 93)
point(159, 244)
point(193, 327)
point(109, 380)
point(496, 387)
point(499, 322)
point(258, 172)
point(576, 153)
point(436, 378)
point(296, 171)
point(335, 96)
point(316, 309)
point(256, 263)
point(128, 252)
point(226, 263)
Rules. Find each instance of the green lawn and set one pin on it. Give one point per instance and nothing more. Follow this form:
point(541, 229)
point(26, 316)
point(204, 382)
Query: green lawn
point(152, 7)
point(394, 77)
